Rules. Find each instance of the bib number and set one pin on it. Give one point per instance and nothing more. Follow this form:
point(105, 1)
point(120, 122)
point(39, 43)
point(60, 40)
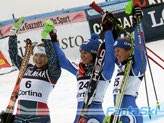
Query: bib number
point(28, 84)
point(83, 85)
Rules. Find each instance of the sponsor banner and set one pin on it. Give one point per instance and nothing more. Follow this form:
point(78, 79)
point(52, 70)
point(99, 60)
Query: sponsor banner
point(113, 7)
point(153, 23)
point(3, 61)
point(119, 6)
point(38, 23)
point(96, 28)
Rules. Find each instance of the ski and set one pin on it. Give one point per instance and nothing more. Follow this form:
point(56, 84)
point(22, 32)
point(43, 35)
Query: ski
point(120, 94)
point(93, 83)
point(14, 69)
point(14, 95)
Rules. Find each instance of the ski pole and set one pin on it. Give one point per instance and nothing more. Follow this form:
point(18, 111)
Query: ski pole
point(131, 4)
point(155, 61)
point(143, 66)
point(155, 54)
point(129, 11)
point(158, 105)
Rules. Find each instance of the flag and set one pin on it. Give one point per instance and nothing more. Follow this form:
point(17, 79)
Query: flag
point(3, 61)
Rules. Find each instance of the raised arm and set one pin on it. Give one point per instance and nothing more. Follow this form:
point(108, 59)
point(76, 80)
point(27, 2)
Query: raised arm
point(13, 47)
point(111, 34)
point(109, 63)
point(54, 69)
point(139, 60)
point(63, 61)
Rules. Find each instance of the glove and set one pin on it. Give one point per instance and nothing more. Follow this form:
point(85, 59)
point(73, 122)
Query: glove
point(110, 22)
point(137, 14)
point(109, 119)
point(17, 26)
point(3, 117)
point(48, 27)
point(53, 35)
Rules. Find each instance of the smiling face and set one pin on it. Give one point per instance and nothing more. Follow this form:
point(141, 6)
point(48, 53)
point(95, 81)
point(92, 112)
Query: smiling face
point(86, 57)
point(40, 60)
point(121, 54)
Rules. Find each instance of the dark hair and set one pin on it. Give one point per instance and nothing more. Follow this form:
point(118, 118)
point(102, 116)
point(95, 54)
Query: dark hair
point(94, 57)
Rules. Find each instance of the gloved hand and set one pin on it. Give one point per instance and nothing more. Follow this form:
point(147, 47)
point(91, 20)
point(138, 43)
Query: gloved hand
point(3, 117)
point(17, 26)
point(53, 35)
point(109, 119)
point(48, 27)
point(110, 22)
point(137, 14)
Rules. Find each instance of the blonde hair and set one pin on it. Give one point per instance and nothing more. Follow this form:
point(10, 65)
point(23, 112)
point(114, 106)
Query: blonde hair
point(127, 38)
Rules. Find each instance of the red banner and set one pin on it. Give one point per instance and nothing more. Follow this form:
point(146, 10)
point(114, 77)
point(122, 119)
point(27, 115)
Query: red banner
point(38, 23)
point(3, 61)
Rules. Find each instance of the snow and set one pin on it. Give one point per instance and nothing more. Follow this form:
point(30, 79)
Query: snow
point(62, 101)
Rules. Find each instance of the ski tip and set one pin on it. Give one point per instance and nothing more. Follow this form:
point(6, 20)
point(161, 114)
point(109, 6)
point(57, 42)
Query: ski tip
point(96, 7)
point(28, 41)
point(13, 16)
point(92, 4)
point(129, 7)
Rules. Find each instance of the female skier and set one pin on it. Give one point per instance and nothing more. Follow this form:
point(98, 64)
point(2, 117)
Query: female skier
point(122, 54)
point(83, 73)
point(38, 80)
